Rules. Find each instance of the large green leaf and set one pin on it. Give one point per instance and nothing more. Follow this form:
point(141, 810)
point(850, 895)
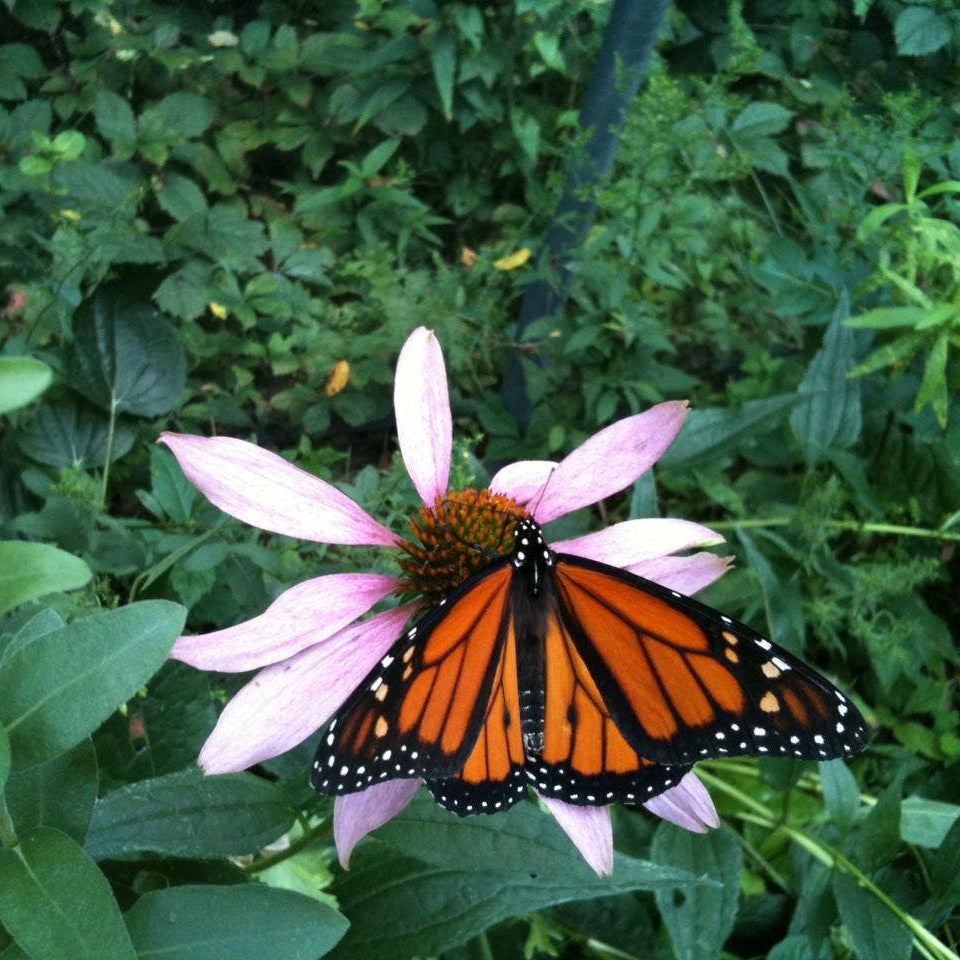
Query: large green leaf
point(58, 793)
point(22, 379)
point(413, 892)
point(827, 414)
point(711, 432)
point(699, 919)
point(71, 433)
point(876, 933)
point(926, 822)
point(31, 570)
point(920, 31)
point(188, 815)
point(125, 356)
point(63, 685)
point(238, 922)
point(4, 760)
point(56, 903)
point(841, 793)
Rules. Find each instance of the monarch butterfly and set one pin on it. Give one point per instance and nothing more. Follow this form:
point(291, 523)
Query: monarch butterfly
point(589, 683)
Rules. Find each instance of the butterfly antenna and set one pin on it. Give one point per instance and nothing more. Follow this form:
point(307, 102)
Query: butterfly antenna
point(543, 490)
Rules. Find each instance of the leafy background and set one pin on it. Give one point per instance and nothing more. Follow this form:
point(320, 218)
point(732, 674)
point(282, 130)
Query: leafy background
point(206, 208)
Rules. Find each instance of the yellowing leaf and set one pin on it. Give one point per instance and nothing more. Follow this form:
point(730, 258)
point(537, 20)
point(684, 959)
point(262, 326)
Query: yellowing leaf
point(516, 259)
point(339, 378)
point(222, 38)
point(218, 310)
point(468, 257)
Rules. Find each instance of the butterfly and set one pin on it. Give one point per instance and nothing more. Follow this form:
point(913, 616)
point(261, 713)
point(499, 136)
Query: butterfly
point(587, 682)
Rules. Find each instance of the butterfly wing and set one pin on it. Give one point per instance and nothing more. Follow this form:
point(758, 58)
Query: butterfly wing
point(420, 711)
point(682, 682)
point(492, 776)
point(584, 759)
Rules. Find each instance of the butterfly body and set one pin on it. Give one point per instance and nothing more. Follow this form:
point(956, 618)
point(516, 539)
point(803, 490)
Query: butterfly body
point(579, 679)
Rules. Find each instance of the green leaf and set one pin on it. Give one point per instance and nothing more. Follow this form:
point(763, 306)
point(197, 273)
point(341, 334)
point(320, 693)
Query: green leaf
point(116, 122)
point(889, 318)
point(945, 873)
point(124, 356)
point(59, 793)
point(920, 31)
point(69, 434)
point(66, 683)
point(32, 570)
point(841, 793)
point(375, 160)
point(827, 415)
point(761, 119)
point(22, 380)
point(699, 919)
point(422, 897)
point(178, 116)
point(189, 815)
point(933, 387)
point(56, 904)
point(889, 354)
point(18, 62)
point(40, 623)
point(878, 836)
point(710, 433)
point(180, 196)
point(235, 922)
point(443, 59)
point(876, 933)
point(926, 822)
point(172, 496)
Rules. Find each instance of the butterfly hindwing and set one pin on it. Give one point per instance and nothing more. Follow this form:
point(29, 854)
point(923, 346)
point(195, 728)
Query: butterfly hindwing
point(419, 712)
point(683, 682)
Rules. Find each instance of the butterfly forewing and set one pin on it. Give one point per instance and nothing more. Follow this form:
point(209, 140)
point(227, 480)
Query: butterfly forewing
point(683, 682)
point(420, 711)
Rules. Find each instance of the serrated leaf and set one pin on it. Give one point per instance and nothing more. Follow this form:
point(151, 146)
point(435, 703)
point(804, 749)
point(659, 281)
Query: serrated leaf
point(443, 59)
point(58, 793)
point(920, 31)
point(876, 932)
point(710, 433)
point(62, 686)
point(116, 122)
point(56, 903)
point(32, 570)
point(189, 815)
point(22, 380)
point(124, 356)
point(69, 433)
point(827, 415)
point(761, 119)
point(180, 197)
point(235, 922)
point(179, 115)
point(699, 919)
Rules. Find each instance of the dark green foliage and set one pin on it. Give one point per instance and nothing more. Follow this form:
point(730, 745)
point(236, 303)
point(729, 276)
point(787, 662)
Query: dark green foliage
point(204, 207)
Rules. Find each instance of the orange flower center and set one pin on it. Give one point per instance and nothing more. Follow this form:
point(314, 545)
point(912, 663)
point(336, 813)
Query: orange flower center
point(460, 535)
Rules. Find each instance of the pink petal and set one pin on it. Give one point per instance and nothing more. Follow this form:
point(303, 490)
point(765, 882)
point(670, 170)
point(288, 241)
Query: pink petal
point(688, 805)
point(633, 541)
point(523, 480)
point(610, 460)
point(286, 702)
point(686, 575)
point(357, 814)
point(266, 491)
point(422, 405)
point(590, 830)
point(299, 618)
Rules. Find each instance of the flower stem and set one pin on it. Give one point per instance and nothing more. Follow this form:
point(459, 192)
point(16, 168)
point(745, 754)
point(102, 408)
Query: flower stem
point(323, 831)
point(855, 525)
point(925, 942)
point(108, 456)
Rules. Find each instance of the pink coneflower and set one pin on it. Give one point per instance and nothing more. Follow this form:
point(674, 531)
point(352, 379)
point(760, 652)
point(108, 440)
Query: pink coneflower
point(310, 646)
